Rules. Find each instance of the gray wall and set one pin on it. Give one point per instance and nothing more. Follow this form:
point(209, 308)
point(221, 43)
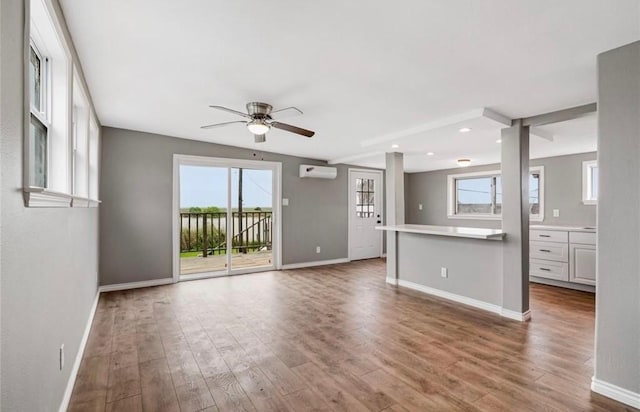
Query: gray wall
point(618, 281)
point(562, 187)
point(136, 209)
point(49, 256)
point(478, 275)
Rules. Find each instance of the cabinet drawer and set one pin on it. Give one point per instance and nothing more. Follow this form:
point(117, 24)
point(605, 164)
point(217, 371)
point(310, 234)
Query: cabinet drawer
point(549, 270)
point(582, 238)
point(549, 251)
point(549, 236)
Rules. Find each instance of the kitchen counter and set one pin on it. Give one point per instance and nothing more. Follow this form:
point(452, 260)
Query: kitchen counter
point(585, 229)
point(451, 231)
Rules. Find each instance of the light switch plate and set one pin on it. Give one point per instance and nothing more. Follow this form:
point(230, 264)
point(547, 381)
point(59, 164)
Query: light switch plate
point(556, 212)
point(420, 206)
point(285, 202)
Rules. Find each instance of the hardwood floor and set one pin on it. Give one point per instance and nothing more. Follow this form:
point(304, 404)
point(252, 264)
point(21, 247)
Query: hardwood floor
point(333, 338)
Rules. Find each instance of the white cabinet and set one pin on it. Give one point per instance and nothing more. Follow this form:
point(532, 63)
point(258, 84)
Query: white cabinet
point(583, 264)
point(562, 254)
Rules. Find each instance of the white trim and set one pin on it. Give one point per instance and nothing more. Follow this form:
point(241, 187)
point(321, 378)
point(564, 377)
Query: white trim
point(451, 195)
point(479, 304)
point(379, 200)
point(519, 316)
point(275, 167)
point(316, 263)
point(392, 281)
point(615, 392)
point(451, 296)
point(135, 285)
point(66, 398)
point(587, 182)
point(41, 197)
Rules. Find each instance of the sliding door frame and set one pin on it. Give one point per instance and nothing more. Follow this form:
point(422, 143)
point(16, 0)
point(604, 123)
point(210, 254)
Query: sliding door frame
point(228, 163)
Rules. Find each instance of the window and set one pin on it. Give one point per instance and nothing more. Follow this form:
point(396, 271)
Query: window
point(38, 122)
point(365, 198)
point(59, 167)
point(478, 195)
point(590, 182)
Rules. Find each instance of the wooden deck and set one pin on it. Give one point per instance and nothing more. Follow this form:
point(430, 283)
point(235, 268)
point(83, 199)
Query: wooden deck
point(333, 338)
point(217, 263)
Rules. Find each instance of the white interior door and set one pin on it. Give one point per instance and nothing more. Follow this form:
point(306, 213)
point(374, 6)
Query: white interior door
point(365, 213)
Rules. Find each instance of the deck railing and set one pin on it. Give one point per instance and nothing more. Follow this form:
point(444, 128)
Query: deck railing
point(207, 232)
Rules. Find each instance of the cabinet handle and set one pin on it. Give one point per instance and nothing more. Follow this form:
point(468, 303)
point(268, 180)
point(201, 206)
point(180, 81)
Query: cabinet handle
point(544, 235)
point(545, 269)
point(545, 250)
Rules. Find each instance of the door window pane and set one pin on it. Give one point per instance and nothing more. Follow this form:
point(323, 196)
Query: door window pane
point(37, 153)
point(473, 196)
point(365, 198)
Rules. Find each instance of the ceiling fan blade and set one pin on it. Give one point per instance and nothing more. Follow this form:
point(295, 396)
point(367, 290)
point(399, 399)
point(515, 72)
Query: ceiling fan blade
point(287, 112)
point(212, 126)
point(259, 138)
point(293, 129)
point(226, 109)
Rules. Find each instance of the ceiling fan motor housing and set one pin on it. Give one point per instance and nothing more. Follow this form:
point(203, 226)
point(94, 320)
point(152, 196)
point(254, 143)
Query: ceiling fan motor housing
point(259, 110)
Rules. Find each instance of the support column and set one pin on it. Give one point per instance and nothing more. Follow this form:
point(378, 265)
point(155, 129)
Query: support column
point(394, 213)
point(617, 347)
point(515, 221)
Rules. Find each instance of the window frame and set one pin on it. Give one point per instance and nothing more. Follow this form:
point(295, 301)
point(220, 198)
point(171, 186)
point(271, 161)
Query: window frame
point(452, 195)
point(587, 182)
point(42, 114)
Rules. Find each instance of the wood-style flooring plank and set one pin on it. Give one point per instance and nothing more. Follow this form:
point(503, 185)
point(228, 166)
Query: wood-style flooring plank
point(333, 338)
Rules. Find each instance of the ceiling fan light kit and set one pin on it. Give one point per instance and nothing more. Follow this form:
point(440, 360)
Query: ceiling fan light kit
point(260, 121)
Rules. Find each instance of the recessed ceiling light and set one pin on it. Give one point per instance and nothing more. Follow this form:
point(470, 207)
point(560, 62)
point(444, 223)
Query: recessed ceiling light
point(430, 154)
point(499, 141)
point(394, 146)
point(465, 130)
point(464, 162)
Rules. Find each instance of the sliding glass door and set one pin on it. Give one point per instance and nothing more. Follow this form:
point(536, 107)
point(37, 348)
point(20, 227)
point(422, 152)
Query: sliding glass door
point(226, 212)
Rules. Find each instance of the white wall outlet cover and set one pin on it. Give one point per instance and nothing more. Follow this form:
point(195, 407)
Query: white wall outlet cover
point(444, 272)
point(285, 202)
point(556, 212)
point(317, 249)
point(420, 206)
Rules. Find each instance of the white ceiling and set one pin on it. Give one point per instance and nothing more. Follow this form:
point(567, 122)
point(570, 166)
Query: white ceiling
point(360, 70)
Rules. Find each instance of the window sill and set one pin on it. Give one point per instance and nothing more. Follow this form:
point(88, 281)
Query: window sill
point(489, 217)
point(474, 217)
point(80, 201)
point(41, 197)
point(590, 202)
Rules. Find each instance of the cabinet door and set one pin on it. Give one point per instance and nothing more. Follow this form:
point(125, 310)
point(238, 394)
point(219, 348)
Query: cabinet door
point(583, 264)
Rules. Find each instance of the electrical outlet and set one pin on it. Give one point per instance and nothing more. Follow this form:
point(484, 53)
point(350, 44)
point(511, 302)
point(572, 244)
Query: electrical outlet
point(317, 249)
point(285, 202)
point(62, 356)
point(420, 206)
point(556, 212)
point(444, 272)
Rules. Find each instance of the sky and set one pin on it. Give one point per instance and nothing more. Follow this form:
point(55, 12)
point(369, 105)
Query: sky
point(207, 186)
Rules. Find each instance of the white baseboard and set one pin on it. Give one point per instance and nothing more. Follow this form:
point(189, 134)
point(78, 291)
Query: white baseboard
point(519, 316)
point(392, 281)
point(76, 363)
point(316, 263)
point(615, 392)
point(452, 296)
point(490, 307)
point(135, 285)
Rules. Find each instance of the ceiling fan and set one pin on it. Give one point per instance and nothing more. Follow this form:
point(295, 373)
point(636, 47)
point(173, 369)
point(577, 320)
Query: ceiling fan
point(259, 120)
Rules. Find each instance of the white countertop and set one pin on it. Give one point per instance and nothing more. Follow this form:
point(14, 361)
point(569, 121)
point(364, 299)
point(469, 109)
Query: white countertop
point(586, 229)
point(451, 231)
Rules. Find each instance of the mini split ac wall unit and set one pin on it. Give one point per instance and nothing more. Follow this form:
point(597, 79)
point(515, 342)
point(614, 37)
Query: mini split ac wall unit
point(318, 172)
